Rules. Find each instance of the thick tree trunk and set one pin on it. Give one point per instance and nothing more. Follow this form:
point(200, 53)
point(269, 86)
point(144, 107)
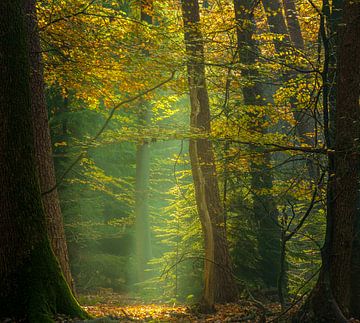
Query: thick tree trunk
point(219, 282)
point(43, 150)
point(31, 283)
point(332, 297)
point(264, 208)
point(347, 159)
point(355, 271)
point(142, 225)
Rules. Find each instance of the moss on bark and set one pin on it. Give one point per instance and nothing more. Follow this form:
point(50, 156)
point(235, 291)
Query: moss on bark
point(41, 290)
point(32, 286)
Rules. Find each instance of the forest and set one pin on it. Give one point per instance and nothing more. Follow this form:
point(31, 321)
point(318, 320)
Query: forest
point(179, 161)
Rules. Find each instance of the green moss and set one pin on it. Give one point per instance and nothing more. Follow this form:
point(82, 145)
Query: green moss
point(41, 290)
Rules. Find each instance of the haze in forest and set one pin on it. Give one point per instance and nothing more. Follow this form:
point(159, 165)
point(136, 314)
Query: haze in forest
point(179, 160)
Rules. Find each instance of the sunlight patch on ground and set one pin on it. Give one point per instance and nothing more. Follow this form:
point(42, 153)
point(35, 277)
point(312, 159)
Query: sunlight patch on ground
point(139, 312)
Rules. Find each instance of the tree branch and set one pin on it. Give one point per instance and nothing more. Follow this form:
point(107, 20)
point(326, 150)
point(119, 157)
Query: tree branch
point(92, 140)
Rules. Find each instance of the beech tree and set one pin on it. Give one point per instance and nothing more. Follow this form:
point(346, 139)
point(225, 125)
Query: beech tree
point(219, 284)
point(142, 225)
point(31, 283)
point(264, 208)
point(287, 27)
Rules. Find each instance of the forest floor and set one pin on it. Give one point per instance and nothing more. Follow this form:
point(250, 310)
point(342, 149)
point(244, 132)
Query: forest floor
point(108, 307)
point(120, 308)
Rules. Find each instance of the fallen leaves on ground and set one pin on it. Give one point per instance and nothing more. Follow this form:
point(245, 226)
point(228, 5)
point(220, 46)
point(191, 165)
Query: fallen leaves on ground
point(244, 311)
point(125, 308)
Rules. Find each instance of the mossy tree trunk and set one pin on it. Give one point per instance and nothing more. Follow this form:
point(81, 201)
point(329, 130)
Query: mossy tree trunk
point(31, 283)
point(43, 149)
point(219, 284)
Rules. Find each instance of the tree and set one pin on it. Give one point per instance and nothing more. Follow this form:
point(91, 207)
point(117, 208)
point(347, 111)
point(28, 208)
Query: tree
point(291, 15)
point(264, 208)
point(142, 226)
point(31, 283)
point(291, 37)
point(43, 150)
point(219, 284)
point(331, 298)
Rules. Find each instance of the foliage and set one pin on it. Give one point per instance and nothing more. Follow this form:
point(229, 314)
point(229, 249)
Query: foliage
point(98, 54)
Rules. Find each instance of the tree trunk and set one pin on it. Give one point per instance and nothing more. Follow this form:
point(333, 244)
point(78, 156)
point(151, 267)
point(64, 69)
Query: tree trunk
point(142, 226)
point(305, 123)
point(219, 285)
point(347, 118)
point(332, 299)
point(264, 208)
point(31, 283)
point(43, 150)
point(355, 270)
point(277, 24)
point(291, 15)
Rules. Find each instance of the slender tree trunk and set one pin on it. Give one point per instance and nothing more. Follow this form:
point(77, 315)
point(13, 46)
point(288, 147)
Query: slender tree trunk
point(277, 24)
point(31, 283)
point(142, 226)
point(43, 150)
point(264, 208)
point(331, 299)
point(291, 15)
point(305, 123)
point(219, 285)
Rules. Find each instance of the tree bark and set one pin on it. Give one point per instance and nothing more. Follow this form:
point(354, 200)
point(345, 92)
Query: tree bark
point(32, 286)
point(347, 161)
point(291, 15)
point(43, 149)
point(355, 270)
point(219, 284)
point(264, 208)
point(277, 24)
point(332, 299)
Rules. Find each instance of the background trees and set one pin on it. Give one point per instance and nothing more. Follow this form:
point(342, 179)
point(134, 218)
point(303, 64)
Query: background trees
point(260, 163)
point(132, 70)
